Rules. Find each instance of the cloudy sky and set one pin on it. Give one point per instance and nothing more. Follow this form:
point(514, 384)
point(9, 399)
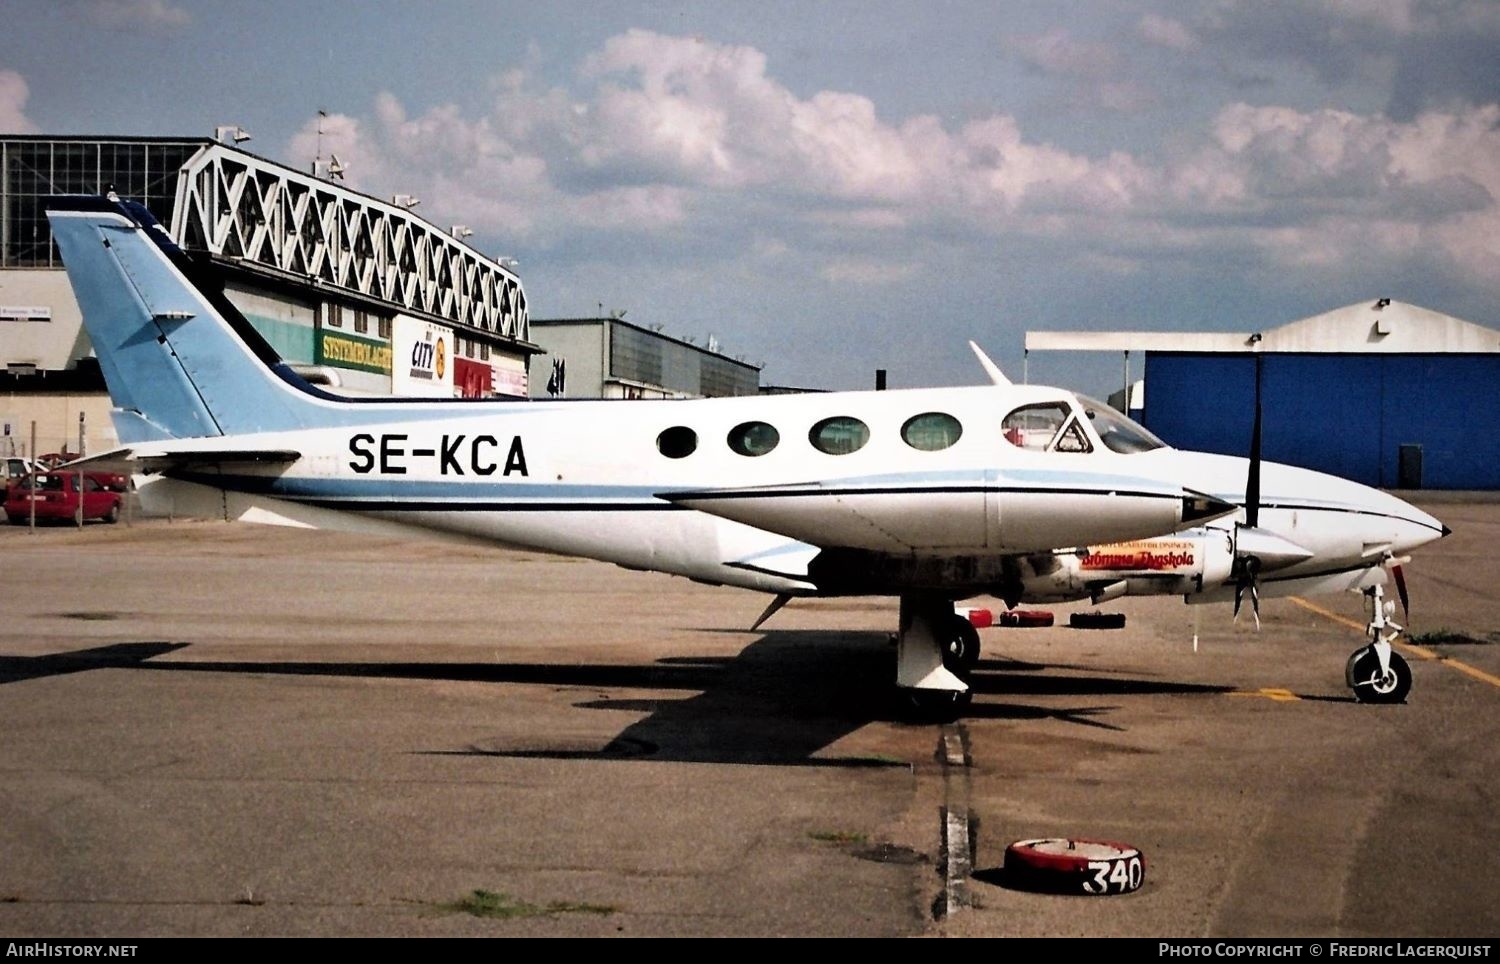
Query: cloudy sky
point(840, 186)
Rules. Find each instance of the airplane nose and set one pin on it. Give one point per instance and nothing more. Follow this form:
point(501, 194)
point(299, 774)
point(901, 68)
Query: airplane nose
point(1420, 527)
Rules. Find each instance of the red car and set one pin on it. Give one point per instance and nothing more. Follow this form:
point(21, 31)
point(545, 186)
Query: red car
point(56, 496)
point(113, 481)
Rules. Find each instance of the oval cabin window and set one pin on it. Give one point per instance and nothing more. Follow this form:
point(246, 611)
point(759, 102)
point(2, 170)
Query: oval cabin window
point(931, 431)
point(677, 442)
point(753, 438)
point(840, 435)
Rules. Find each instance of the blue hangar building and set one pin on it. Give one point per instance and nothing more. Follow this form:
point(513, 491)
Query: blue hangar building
point(1381, 392)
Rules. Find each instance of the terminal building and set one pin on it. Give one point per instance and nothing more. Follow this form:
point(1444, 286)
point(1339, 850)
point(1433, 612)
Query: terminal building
point(1384, 393)
point(358, 292)
point(612, 358)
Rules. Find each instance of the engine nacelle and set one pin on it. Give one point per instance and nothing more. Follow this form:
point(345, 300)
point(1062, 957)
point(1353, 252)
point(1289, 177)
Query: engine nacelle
point(1180, 564)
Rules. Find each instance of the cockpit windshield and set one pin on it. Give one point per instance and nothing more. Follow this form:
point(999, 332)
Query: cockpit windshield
point(1117, 432)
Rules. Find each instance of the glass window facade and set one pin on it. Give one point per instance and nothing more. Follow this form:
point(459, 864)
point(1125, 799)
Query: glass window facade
point(650, 359)
point(32, 169)
point(721, 377)
point(634, 355)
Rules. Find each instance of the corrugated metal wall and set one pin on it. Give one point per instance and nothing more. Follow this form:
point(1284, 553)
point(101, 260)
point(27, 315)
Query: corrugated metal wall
point(1345, 414)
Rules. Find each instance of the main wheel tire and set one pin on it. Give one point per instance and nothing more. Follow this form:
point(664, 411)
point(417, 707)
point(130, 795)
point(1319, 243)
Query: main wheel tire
point(1368, 684)
point(936, 706)
point(960, 647)
point(1060, 865)
point(113, 515)
point(1097, 621)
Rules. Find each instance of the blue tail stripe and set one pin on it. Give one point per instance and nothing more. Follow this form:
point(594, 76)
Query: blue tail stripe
point(171, 335)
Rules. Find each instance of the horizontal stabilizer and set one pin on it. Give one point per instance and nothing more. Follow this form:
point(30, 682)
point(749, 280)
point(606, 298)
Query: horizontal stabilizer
point(154, 459)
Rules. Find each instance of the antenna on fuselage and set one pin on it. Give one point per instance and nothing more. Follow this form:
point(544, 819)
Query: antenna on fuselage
point(997, 377)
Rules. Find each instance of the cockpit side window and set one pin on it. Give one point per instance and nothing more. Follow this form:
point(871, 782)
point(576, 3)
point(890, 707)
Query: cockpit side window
point(1046, 427)
point(1072, 439)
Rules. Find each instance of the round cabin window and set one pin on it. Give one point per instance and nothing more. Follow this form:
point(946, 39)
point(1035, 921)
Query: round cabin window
point(753, 438)
point(931, 431)
point(840, 435)
point(677, 442)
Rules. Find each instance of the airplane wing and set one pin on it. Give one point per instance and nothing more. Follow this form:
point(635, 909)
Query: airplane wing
point(790, 560)
point(159, 457)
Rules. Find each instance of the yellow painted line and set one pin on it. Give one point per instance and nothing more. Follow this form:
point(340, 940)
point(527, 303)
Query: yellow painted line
point(1421, 652)
point(1270, 693)
point(1473, 671)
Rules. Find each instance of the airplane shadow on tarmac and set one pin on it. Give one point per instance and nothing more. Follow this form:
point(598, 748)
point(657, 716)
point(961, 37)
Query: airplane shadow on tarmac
point(781, 700)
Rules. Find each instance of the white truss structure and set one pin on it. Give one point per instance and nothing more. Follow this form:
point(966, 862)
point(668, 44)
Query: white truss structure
point(238, 206)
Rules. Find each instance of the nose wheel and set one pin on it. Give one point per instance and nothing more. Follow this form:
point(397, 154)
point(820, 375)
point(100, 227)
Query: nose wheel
point(1372, 683)
point(1376, 673)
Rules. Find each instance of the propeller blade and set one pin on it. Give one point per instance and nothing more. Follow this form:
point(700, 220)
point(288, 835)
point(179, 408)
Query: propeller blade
point(1401, 591)
point(1252, 483)
point(1248, 578)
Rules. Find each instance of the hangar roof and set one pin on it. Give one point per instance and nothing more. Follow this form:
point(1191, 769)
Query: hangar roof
point(1382, 326)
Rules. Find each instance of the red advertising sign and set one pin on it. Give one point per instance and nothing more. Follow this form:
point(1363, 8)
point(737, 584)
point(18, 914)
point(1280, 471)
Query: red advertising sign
point(1145, 555)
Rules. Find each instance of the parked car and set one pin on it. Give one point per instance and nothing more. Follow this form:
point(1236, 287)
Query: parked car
point(15, 468)
point(56, 497)
point(113, 481)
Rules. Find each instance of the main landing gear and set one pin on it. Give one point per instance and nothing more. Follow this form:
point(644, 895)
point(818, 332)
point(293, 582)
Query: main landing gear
point(936, 652)
point(1376, 673)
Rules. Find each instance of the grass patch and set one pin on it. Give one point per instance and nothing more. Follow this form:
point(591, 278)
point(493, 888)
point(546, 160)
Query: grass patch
point(1445, 637)
point(501, 906)
point(840, 837)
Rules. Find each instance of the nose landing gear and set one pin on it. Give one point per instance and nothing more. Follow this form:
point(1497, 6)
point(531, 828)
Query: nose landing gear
point(1376, 673)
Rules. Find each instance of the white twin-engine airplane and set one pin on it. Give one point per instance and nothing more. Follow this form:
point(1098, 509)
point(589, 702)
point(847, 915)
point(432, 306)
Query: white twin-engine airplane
point(934, 495)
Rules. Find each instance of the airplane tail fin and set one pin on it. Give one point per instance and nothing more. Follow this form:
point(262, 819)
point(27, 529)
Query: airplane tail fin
point(180, 361)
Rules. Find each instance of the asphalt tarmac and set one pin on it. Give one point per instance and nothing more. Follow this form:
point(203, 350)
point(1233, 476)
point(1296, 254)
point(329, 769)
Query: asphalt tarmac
point(216, 729)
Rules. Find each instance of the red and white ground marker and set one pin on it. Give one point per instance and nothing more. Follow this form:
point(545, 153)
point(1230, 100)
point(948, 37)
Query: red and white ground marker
point(1061, 865)
point(978, 618)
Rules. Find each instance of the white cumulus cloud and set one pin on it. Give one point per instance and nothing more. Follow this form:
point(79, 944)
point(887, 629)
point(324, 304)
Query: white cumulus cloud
point(1166, 32)
point(1330, 187)
point(137, 14)
point(13, 96)
point(695, 150)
